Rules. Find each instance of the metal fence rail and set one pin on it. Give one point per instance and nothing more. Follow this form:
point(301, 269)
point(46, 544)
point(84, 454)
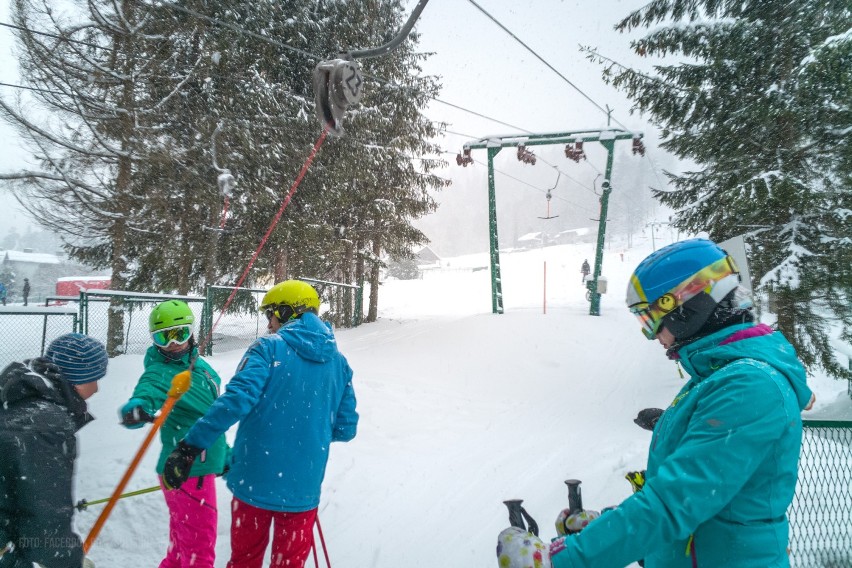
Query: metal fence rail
point(344, 302)
point(234, 329)
point(821, 513)
point(25, 332)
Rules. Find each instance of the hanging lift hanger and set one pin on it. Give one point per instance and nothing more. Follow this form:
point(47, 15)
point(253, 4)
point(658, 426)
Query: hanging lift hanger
point(549, 195)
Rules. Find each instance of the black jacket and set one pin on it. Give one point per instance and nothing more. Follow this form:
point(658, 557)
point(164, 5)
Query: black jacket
point(40, 413)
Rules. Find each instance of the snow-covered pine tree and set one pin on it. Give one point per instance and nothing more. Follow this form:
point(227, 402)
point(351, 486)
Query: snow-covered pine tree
point(90, 122)
point(760, 100)
point(364, 188)
point(387, 147)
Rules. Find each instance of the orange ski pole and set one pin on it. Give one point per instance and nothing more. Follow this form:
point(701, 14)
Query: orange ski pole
point(180, 384)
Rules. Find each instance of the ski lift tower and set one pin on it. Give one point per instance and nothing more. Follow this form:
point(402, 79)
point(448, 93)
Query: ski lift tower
point(573, 150)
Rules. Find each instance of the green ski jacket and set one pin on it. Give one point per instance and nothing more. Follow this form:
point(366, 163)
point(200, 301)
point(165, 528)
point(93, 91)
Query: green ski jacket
point(153, 388)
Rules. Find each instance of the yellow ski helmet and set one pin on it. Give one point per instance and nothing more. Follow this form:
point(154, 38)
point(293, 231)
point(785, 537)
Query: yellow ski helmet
point(290, 299)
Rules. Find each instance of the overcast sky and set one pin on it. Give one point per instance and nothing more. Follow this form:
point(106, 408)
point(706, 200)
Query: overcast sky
point(484, 70)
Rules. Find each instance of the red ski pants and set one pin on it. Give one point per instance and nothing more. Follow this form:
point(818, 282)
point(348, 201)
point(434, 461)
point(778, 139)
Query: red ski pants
point(292, 536)
point(192, 523)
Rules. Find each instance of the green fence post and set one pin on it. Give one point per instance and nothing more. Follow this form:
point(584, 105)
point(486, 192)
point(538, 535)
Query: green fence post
point(207, 320)
point(84, 313)
point(43, 334)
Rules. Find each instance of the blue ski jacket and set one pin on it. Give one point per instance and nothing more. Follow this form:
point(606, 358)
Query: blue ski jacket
point(722, 464)
point(292, 395)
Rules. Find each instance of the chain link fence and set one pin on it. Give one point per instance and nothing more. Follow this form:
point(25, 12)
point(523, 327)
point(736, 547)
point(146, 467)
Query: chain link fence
point(25, 332)
point(233, 329)
point(821, 513)
point(237, 327)
point(133, 309)
point(242, 323)
point(342, 304)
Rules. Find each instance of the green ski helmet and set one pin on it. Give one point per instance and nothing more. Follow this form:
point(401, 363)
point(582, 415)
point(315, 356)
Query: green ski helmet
point(290, 299)
point(171, 313)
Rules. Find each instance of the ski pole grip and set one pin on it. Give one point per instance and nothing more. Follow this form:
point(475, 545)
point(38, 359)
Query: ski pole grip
point(575, 497)
point(180, 384)
point(516, 518)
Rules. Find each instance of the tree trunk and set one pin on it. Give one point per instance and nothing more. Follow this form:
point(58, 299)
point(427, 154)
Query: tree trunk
point(373, 311)
point(358, 311)
point(115, 318)
point(347, 296)
point(123, 181)
point(280, 270)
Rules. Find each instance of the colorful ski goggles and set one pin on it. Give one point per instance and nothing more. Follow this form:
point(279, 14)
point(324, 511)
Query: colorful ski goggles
point(178, 334)
point(708, 280)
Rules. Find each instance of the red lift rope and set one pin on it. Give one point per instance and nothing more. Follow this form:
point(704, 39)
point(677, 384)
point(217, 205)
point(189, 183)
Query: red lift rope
point(272, 226)
point(181, 381)
point(224, 213)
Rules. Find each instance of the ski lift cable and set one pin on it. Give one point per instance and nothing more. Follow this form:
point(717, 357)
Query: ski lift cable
point(654, 168)
point(283, 45)
point(549, 66)
point(581, 184)
point(591, 165)
point(597, 54)
point(235, 28)
point(482, 116)
point(241, 30)
point(30, 88)
point(54, 36)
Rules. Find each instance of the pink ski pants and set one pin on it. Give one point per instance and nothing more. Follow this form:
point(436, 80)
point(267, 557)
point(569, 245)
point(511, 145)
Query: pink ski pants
point(192, 523)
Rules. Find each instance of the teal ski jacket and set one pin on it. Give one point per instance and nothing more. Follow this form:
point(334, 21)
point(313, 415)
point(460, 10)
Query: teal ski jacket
point(292, 396)
point(152, 391)
point(722, 465)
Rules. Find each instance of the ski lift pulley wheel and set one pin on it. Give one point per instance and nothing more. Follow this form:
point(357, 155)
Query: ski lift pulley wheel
point(227, 183)
point(337, 85)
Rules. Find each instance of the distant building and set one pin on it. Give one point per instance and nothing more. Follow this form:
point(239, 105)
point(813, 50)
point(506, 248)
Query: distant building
point(530, 240)
point(427, 258)
point(571, 236)
point(25, 264)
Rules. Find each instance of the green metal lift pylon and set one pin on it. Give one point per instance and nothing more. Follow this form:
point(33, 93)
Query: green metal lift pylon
point(493, 145)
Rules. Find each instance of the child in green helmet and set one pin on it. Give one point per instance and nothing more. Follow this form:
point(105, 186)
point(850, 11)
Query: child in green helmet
point(192, 508)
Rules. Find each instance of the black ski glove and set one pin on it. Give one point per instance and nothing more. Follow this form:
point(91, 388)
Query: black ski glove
point(178, 464)
point(648, 417)
point(133, 415)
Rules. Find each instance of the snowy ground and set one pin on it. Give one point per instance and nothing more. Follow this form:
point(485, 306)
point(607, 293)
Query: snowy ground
point(460, 410)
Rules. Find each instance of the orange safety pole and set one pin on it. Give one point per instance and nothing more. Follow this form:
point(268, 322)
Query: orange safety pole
point(180, 384)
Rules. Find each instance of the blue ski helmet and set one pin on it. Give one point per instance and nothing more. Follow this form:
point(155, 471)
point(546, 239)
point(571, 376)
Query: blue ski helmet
point(680, 285)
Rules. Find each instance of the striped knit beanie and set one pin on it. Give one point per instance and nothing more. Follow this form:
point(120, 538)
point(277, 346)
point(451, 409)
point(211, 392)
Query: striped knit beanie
point(80, 358)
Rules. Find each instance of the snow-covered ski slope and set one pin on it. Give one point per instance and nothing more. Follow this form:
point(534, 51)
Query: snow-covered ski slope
point(460, 409)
